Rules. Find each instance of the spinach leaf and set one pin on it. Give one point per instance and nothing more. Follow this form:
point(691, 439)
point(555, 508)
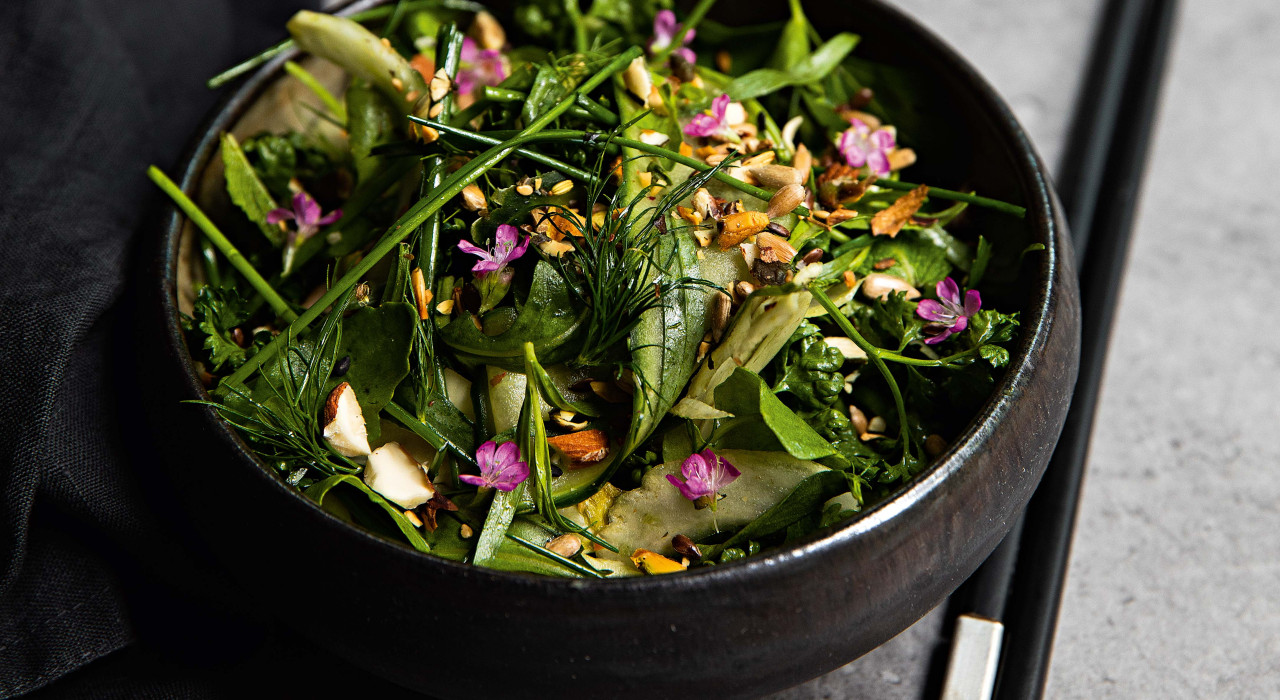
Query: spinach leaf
point(320, 492)
point(807, 497)
point(916, 259)
point(372, 120)
point(378, 342)
point(550, 318)
point(247, 191)
point(813, 68)
point(748, 398)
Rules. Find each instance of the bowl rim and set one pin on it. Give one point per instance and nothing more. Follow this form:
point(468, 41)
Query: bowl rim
point(1042, 217)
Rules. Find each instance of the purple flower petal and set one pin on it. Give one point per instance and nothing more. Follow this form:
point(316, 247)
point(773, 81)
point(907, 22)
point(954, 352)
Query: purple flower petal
point(475, 480)
point(507, 452)
point(930, 310)
point(972, 302)
point(507, 234)
point(275, 216)
point(702, 125)
point(469, 50)
point(878, 162)
point(484, 454)
point(720, 106)
point(961, 323)
point(941, 336)
point(664, 29)
point(305, 208)
point(511, 476)
point(330, 218)
point(484, 267)
point(687, 53)
point(883, 139)
point(692, 494)
point(473, 249)
point(948, 291)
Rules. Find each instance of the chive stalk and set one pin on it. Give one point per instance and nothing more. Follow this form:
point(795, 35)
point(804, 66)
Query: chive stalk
point(220, 241)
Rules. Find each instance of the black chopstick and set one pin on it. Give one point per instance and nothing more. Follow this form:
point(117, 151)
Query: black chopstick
point(1039, 575)
point(1021, 583)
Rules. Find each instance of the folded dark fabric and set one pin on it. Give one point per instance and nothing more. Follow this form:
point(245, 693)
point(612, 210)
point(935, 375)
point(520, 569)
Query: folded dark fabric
point(90, 94)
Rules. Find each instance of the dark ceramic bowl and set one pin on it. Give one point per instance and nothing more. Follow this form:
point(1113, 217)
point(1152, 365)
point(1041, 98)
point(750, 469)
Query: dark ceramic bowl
point(743, 629)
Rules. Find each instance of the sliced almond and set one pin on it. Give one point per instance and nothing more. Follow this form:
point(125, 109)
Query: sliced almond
point(847, 347)
point(344, 426)
point(582, 447)
point(440, 84)
point(735, 113)
point(396, 475)
point(774, 248)
point(803, 160)
point(889, 221)
point(900, 158)
point(654, 138)
point(858, 419)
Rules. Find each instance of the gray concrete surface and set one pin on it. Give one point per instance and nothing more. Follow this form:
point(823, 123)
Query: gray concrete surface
point(1172, 590)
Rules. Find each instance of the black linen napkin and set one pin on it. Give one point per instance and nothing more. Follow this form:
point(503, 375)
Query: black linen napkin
point(90, 566)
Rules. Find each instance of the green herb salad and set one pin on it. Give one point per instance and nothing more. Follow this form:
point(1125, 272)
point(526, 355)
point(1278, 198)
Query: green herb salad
point(594, 292)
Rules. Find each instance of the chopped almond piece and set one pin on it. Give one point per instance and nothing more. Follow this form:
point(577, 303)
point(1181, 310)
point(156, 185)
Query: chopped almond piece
point(583, 447)
point(890, 221)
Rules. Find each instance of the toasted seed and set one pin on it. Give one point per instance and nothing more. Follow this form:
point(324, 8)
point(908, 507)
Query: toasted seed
point(742, 290)
point(685, 547)
point(847, 347)
point(736, 227)
point(703, 348)
point(568, 420)
point(778, 229)
point(427, 134)
point(839, 215)
point(719, 317)
point(465, 532)
point(786, 199)
point(413, 518)
point(775, 176)
point(849, 278)
point(803, 160)
point(763, 158)
point(935, 445)
point(716, 158)
point(703, 235)
point(812, 256)
point(877, 425)
point(440, 84)
point(884, 264)
point(524, 190)
point(862, 98)
point(445, 307)
point(735, 114)
point(398, 84)
point(900, 158)
point(561, 187)
point(487, 31)
point(878, 285)
point(789, 131)
point(435, 110)
point(821, 215)
point(858, 419)
point(473, 198)
point(566, 545)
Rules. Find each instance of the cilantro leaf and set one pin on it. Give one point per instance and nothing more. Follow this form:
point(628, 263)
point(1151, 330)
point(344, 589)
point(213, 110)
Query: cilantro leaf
point(994, 354)
point(217, 312)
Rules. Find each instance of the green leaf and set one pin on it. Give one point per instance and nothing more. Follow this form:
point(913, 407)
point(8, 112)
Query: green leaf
point(917, 259)
point(358, 50)
point(217, 311)
point(247, 191)
point(378, 340)
point(494, 533)
point(372, 120)
point(550, 318)
point(806, 499)
point(321, 490)
point(793, 42)
point(994, 354)
point(813, 68)
point(746, 396)
point(980, 261)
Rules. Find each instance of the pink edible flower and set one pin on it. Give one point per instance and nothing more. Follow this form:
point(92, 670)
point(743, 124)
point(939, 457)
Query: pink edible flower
point(947, 315)
point(479, 67)
point(305, 216)
point(500, 467)
point(665, 31)
point(505, 250)
point(705, 473)
point(861, 146)
point(704, 125)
